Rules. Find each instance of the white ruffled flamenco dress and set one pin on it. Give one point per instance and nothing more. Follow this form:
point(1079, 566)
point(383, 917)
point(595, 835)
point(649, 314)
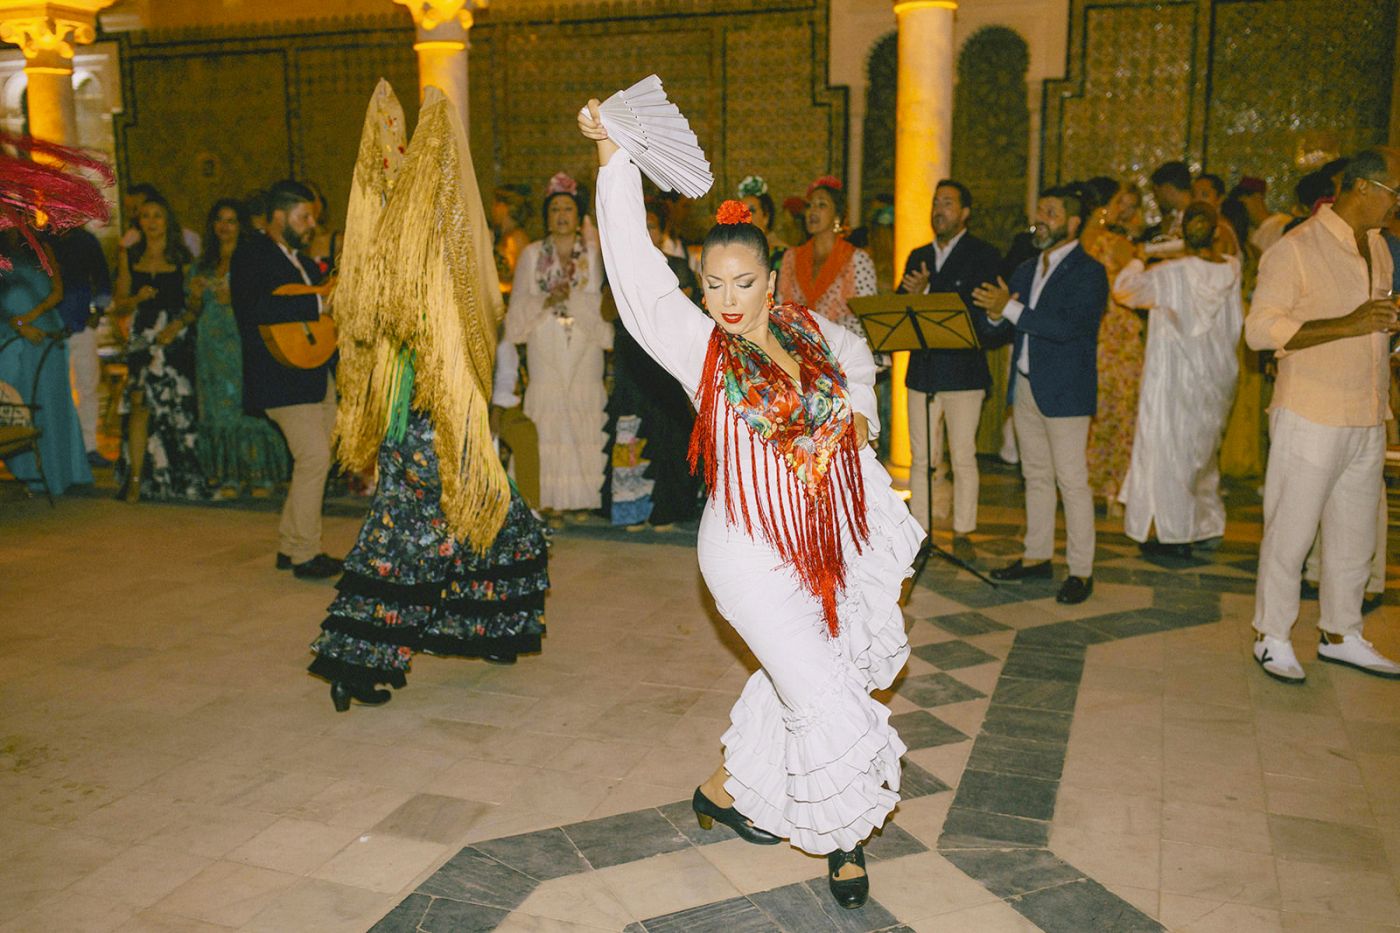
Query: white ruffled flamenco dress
point(811, 755)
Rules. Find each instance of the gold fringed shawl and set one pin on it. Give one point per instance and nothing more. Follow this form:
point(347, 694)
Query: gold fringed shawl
point(367, 368)
point(432, 284)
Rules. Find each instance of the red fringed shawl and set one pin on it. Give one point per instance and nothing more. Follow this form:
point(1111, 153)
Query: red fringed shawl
point(810, 472)
point(48, 193)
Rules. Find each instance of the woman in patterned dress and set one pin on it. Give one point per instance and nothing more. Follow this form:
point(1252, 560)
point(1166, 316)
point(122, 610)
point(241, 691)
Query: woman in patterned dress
point(827, 271)
point(159, 454)
point(555, 311)
point(237, 451)
point(648, 481)
point(450, 559)
point(1120, 352)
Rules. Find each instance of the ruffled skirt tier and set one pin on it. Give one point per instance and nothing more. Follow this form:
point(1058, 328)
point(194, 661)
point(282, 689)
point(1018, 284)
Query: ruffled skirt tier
point(811, 755)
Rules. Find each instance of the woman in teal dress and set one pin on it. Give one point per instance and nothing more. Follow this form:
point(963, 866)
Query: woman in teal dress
point(28, 297)
point(238, 452)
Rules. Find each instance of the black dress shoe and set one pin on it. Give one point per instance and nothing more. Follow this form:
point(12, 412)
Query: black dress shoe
point(1075, 590)
point(707, 811)
point(853, 892)
point(318, 568)
point(1158, 549)
point(343, 692)
point(283, 561)
point(1020, 570)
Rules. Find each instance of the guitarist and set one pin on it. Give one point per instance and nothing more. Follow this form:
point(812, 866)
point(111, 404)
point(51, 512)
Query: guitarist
point(302, 402)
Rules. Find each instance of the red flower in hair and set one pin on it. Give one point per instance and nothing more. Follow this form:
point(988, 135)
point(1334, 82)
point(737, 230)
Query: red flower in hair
point(826, 181)
point(734, 212)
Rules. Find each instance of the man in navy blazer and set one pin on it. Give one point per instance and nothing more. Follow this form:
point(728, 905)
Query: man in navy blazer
point(300, 401)
point(1051, 310)
point(949, 385)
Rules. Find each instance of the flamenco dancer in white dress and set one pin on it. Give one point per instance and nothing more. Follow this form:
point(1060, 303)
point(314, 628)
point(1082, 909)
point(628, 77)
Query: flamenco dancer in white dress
point(803, 543)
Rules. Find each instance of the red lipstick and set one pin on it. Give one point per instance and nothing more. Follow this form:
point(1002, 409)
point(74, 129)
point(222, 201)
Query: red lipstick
point(731, 318)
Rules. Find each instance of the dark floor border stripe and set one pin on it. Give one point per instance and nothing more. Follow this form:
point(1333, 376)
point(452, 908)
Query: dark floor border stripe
point(997, 830)
point(998, 826)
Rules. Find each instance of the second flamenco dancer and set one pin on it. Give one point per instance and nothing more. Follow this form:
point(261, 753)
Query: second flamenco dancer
point(803, 543)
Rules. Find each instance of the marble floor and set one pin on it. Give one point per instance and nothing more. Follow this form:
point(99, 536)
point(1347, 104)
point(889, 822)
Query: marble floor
point(166, 764)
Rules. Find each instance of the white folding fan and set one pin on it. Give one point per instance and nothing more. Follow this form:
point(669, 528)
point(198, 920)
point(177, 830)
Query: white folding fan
point(658, 137)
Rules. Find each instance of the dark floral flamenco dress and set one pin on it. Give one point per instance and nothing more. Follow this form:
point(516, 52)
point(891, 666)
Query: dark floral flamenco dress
point(164, 377)
point(410, 586)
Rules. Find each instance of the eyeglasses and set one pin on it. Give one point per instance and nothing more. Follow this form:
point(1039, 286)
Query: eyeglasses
point(1380, 184)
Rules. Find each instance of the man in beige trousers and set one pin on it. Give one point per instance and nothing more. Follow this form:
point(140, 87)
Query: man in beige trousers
point(300, 401)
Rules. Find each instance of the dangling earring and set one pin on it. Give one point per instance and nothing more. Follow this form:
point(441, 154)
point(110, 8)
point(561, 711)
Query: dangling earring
point(836, 226)
point(769, 306)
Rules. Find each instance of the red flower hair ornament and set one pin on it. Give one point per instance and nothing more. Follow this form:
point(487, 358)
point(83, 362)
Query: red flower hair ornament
point(734, 212)
point(826, 181)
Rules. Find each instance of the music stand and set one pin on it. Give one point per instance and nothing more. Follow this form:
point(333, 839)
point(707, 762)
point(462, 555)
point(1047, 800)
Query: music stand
point(938, 321)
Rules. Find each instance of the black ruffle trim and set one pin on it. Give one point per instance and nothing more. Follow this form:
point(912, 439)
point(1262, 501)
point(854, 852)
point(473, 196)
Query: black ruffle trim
point(432, 642)
point(333, 669)
point(426, 594)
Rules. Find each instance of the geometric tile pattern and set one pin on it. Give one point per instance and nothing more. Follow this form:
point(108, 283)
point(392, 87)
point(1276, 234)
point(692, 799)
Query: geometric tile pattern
point(997, 828)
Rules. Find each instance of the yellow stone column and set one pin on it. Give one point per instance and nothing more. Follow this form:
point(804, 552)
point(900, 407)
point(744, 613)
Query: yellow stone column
point(47, 33)
point(923, 140)
point(443, 28)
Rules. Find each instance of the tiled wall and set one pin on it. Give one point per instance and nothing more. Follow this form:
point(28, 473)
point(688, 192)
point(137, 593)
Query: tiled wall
point(220, 110)
point(1265, 87)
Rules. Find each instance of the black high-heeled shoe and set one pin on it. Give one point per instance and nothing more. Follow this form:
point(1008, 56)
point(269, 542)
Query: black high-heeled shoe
point(342, 692)
point(707, 811)
point(851, 893)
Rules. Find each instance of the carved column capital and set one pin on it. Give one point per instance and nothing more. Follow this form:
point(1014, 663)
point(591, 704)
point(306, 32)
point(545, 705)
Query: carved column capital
point(430, 14)
point(47, 33)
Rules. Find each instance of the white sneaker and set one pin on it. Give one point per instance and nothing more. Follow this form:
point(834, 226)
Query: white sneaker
point(1276, 657)
point(1355, 651)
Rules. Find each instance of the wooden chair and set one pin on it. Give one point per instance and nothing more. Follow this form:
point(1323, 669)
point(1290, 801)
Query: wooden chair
point(19, 422)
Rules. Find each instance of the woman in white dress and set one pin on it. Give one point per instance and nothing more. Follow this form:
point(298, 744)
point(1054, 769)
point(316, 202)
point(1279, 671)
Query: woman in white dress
point(554, 311)
point(803, 543)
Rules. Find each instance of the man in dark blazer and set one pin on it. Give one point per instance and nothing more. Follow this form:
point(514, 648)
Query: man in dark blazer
point(948, 384)
point(1052, 310)
point(300, 401)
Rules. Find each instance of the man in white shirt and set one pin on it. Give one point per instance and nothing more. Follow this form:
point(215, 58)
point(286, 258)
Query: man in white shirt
point(1322, 302)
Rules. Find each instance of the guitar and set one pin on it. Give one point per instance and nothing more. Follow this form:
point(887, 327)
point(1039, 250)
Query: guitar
point(301, 344)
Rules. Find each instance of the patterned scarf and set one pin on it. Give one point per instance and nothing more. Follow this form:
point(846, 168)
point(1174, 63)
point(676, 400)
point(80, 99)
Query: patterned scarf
point(810, 454)
point(557, 279)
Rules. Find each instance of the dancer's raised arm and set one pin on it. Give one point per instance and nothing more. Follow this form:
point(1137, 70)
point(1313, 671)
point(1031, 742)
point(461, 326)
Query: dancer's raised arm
point(672, 330)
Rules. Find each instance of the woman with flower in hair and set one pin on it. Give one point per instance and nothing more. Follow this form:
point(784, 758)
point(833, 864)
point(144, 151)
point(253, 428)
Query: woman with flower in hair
point(803, 543)
point(555, 312)
point(753, 191)
point(827, 271)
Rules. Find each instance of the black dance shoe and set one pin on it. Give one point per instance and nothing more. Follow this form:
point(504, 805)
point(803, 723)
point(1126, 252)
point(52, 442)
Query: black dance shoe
point(853, 892)
point(283, 561)
point(707, 811)
point(319, 567)
point(1020, 570)
point(1075, 590)
point(342, 693)
point(502, 658)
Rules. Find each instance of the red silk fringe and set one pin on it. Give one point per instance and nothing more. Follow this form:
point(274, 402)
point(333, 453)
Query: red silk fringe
point(804, 528)
point(50, 194)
